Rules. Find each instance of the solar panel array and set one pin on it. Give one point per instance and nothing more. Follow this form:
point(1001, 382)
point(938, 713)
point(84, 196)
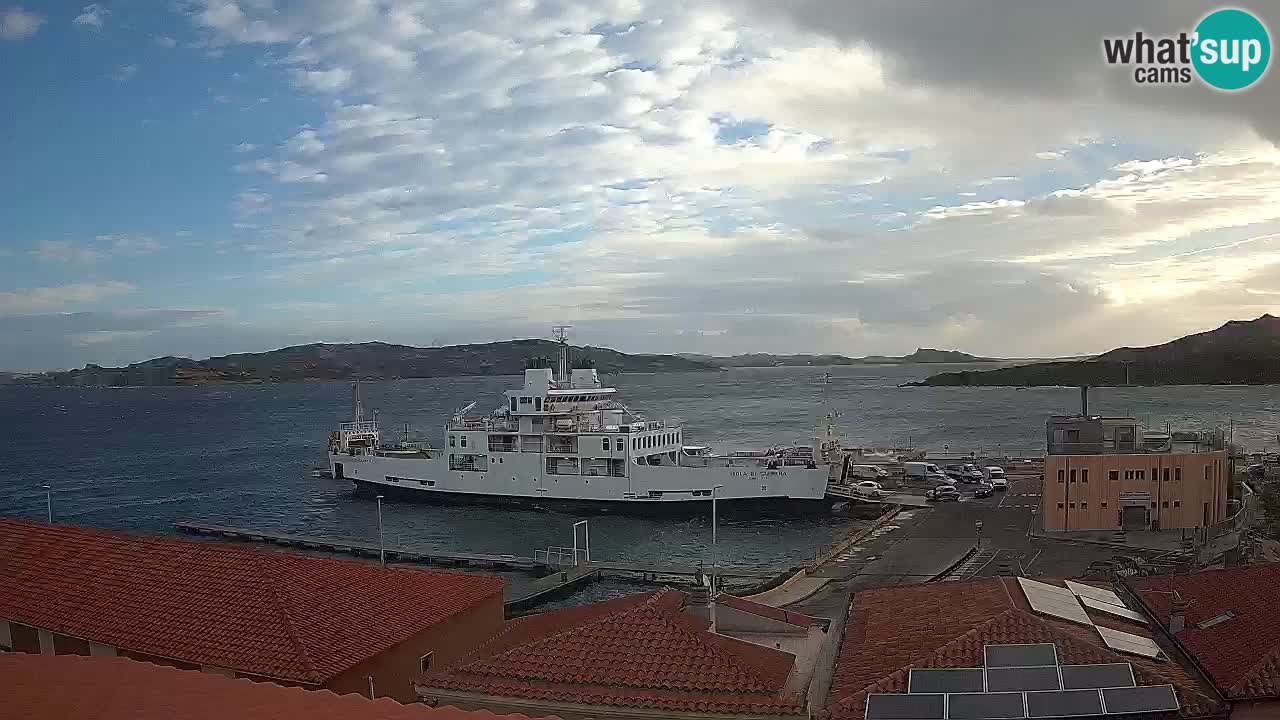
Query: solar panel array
point(1021, 682)
point(1065, 603)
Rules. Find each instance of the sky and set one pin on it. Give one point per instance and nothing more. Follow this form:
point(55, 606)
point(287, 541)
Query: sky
point(201, 177)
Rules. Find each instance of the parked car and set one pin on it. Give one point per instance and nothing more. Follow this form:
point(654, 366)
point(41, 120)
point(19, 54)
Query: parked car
point(868, 488)
point(955, 471)
point(942, 493)
point(975, 473)
point(868, 472)
point(991, 472)
point(983, 490)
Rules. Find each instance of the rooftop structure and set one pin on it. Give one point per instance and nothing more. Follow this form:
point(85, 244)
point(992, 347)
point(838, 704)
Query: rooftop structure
point(42, 687)
point(894, 632)
point(1227, 620)
point(264, 614)
point(652, 652)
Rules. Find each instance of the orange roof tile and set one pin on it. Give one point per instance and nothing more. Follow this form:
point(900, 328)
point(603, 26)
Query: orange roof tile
point(639, 651)
point(945, 625)
point(1242, 652)
point(276, 614)
point(54, 687)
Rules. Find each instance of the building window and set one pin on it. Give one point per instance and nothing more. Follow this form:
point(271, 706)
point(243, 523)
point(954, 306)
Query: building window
point(1114, 475)
point(1104, 506)
point(1084, 475)
point(1177, 503)
point(1084, 506)
point(1164, 504)
point(1059, 506)
point(425, 662)
point(605, 442)
point(1177, 474)
point(1166, 474)
point(1073, 474)
point(452, 441)
point(1072, 505)
point(1206, 472)
point(1128, 474)
point(1061, 474)
point(1153, 504)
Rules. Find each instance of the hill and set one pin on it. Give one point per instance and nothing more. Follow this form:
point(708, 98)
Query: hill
point(921, 355)
point(1239, 352)
point(369, 361)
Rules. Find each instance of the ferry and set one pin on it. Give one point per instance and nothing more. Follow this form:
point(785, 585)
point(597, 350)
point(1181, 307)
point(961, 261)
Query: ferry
point(565, 440)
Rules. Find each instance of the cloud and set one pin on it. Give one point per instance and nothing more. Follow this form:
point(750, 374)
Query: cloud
point(64, 251)
point(322, 80)
point(18, 24)
point(165, 41)
point(251, 202)
point(92, 17)
point(124, 73)
point(245, 147)
point(43, 299)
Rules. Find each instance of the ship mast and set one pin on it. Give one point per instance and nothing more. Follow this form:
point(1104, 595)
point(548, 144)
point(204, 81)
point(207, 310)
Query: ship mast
point(561, 334)
point(357, 403)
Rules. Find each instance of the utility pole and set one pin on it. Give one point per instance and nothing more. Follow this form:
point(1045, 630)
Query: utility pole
point(382, 555)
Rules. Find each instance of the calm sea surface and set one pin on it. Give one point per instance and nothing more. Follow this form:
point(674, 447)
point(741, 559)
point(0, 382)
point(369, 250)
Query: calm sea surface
point(142, 458)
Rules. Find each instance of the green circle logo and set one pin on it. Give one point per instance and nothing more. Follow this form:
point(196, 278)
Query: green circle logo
point(1232, 49)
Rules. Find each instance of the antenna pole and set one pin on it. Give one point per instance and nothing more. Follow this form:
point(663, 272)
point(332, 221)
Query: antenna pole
point(561, 334)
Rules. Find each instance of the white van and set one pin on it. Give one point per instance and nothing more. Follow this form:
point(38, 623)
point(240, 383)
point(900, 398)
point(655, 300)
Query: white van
point(924, 471)
point(867, 472)
point(996, 477)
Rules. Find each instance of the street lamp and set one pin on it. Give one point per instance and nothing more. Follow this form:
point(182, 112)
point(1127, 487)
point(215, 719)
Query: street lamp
point(48, 501)
point(382, 548)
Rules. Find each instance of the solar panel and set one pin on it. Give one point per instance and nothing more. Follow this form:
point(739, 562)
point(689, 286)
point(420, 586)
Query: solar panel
point(1129, 643)
point(949, 680)
point(1080, 677)
point(1021, 655)
point(1117, 610)
point(901, 706)
point(985, 706)
point(1066, 607)
point(1153, 698)
point(1064, 703)
point(1023, 678)
point(1046, 588)
point(1097, 593)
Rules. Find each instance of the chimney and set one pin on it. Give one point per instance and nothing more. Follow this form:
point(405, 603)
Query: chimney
point(1177, 613)
point(1084, 401)
point(698, 604)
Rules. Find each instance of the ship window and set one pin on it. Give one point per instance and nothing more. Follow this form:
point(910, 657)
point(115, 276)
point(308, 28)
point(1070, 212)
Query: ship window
point(635, 443)
point(537, 404)
point(453, 441)
point(462, 440)
point(617, 444)
point(606, 444)
point(513, 404)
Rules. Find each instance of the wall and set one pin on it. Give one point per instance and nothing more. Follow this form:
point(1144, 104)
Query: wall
point(1092, 501)
point(395, 670)
point(1255, 710)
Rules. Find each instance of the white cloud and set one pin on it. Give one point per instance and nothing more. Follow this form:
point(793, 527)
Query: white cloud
point(322, 80)
point(26, 301)
point(100, 248)
point(165, 41)
point(92, 17)
point(245, 147)
point(18, 24)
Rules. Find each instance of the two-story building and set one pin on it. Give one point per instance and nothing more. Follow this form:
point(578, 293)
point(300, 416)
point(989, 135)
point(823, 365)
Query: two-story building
point(1106, 473)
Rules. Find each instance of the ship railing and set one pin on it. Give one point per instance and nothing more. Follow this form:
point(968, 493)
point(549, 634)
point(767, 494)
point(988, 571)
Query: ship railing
point(363, 426)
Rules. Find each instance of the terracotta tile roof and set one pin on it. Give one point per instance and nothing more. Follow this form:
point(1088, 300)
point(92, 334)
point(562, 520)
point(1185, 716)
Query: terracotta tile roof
point(640, 651)
point(768, 611)
point(1242, 652)
point(55, 687)
point(891, 630)
point(281, 615)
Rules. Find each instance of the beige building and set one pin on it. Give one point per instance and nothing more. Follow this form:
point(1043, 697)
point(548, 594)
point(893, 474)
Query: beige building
point(1104, 473)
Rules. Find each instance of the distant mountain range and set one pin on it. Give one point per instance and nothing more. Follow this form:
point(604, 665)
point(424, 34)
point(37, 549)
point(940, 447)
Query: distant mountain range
point(921, 355)
point(370, 361)
point(1239, 352)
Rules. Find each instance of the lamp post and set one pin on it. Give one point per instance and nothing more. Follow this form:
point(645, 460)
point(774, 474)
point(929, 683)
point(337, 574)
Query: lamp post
point(48, 501)
point(715, 555)
point(382, 549)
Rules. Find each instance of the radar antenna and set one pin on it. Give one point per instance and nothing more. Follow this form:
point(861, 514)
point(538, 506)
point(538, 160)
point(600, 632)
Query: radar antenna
point(464, 409)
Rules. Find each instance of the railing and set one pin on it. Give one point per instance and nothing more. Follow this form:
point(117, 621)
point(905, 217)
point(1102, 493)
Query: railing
point(558, 557)
point(364, 426)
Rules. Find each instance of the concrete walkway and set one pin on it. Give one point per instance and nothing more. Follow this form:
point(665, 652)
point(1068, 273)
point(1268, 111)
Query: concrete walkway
point(800, 587)
point(1153, 540)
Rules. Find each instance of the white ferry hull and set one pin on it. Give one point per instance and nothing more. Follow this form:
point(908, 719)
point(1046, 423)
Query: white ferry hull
point(517, 480)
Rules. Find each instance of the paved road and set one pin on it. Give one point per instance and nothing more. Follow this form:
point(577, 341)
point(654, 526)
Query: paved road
point(922, 542)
